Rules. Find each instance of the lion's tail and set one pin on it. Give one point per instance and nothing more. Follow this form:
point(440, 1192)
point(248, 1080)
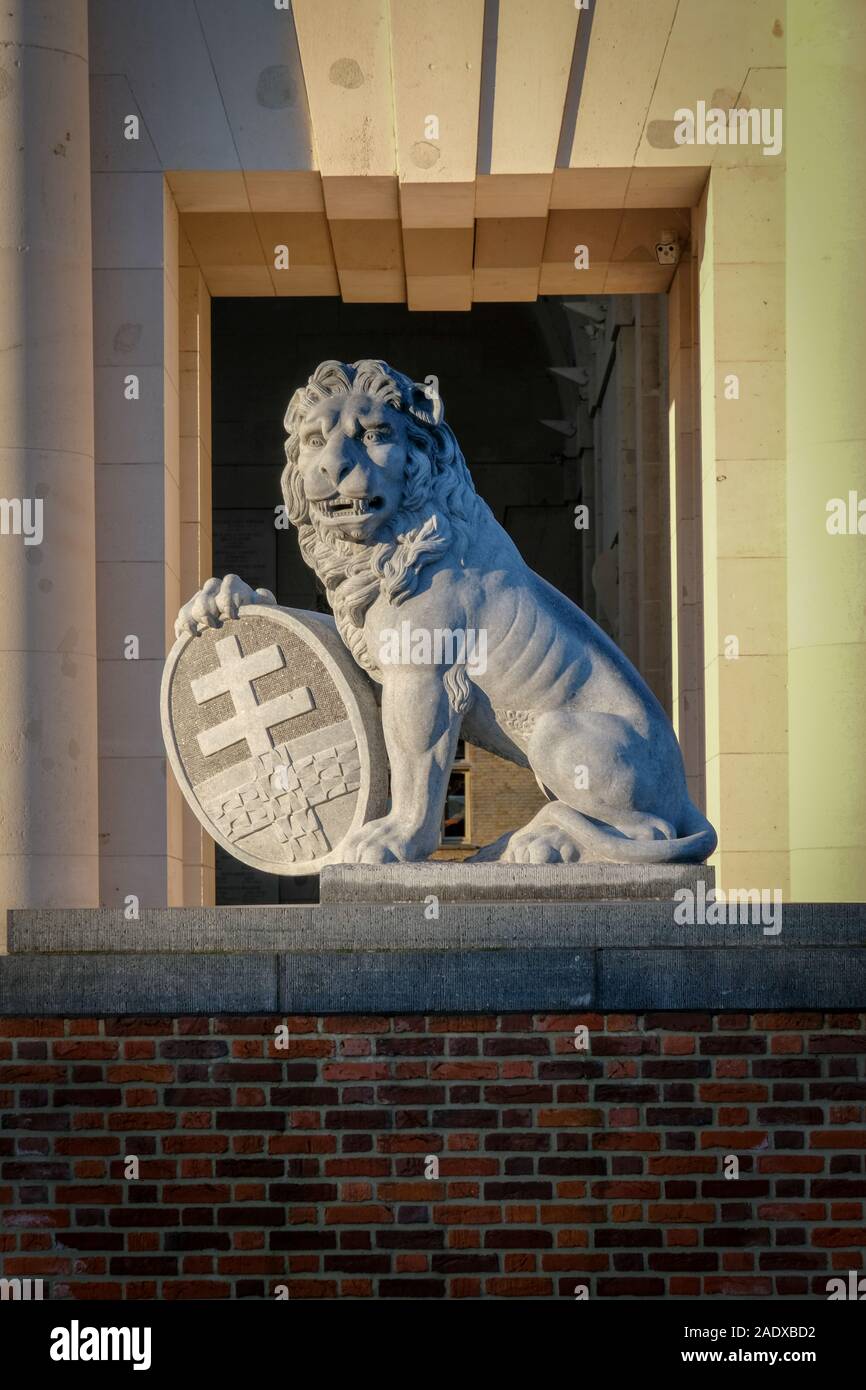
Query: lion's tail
point(696, 844)
point(603, 843)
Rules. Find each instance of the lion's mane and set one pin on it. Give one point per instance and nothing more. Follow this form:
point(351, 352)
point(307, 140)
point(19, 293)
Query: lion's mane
point(439, 510)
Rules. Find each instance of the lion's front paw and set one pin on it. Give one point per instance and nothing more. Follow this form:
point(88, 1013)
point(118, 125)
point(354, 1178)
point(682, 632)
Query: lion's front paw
point(217, 600)
point(380, 842)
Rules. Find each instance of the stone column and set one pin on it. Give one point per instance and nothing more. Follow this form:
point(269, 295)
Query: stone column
point(138, 587)
point(653, 591)
point(196, 541)
point(586, 467)
point(48, 771)
point(826, 404)
point(623, 381)
point(684, 512)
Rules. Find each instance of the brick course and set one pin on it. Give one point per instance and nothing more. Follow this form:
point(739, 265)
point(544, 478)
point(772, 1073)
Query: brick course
point(260, 1167)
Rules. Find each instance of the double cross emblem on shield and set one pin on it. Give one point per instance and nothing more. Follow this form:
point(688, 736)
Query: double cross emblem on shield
point(280, 771)
point(251, 721)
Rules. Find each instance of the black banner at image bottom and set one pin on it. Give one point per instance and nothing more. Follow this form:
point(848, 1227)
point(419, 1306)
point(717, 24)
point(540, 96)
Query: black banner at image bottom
point(87, 1340)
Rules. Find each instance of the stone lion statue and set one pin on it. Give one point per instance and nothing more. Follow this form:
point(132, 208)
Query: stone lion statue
point(433, 599)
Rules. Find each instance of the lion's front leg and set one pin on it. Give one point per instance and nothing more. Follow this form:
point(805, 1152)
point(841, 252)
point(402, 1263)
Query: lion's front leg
point(381, 842)
point(421, 731)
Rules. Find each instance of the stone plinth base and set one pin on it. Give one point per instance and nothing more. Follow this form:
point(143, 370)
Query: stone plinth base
point(450, 882)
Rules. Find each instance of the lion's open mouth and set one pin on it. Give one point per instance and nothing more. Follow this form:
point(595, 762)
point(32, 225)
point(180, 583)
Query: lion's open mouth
point(349, 506)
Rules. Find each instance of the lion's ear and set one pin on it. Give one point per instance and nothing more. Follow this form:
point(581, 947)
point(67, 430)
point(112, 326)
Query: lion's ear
point(426, 402)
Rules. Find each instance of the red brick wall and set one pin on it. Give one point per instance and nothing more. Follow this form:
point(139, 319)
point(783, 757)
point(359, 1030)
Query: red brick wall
point(305, 1167)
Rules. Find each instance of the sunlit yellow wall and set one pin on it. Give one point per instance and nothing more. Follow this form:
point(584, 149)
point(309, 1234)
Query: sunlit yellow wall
point(741, 285)
point(826, 579)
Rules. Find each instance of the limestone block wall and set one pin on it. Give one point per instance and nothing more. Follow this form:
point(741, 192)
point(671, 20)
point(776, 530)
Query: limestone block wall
point(741, 289)
point(138, 528)
point(826, 573)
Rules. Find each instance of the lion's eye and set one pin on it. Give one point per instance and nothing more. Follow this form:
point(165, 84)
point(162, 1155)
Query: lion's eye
point(375, 436)
point(314, 441)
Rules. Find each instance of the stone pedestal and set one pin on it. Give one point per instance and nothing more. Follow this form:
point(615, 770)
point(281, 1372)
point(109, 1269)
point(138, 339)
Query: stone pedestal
point(482, 957)
point(508, 883)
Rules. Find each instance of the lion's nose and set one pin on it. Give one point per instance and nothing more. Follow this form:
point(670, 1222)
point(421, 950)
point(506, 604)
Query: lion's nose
point(338, 463)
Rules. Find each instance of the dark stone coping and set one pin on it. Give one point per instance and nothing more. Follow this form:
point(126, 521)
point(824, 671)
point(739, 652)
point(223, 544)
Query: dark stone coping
point(373, 958)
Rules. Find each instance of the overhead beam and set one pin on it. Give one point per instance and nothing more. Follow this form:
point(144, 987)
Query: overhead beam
point(533, 55)
point(628, 41)
point(438, 267)
point(568, 232)
point(620, 250)
point(534, 46)
point(297, 250)
point(345, 48)
point(436, 64)
point(508, 253)
point(345, 53)
point(369, 258)
point(227, 247)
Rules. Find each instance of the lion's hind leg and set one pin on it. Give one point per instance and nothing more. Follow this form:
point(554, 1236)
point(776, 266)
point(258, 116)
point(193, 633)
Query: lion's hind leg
point(601, 774)
point(597, 772)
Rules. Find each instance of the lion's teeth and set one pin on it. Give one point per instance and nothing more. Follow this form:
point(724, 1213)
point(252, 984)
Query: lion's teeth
point(356, 506)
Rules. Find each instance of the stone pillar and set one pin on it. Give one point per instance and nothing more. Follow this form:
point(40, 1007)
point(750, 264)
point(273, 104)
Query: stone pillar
point(653, 568)
point(136, 291)
point(196, 562)
point(623, 382)
point(48, 769)
point(684, 512)
point(586, 467)
point(826, 406)
point(741, 258)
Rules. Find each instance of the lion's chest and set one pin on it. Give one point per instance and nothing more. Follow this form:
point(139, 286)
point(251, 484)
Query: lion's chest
point(440, 605)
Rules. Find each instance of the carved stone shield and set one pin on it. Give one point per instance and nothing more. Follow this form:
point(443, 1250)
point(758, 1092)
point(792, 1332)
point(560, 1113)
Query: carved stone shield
point(274, 735)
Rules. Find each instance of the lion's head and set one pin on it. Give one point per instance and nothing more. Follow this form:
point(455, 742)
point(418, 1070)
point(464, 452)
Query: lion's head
point(377, 486)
